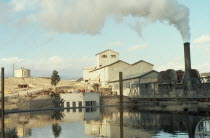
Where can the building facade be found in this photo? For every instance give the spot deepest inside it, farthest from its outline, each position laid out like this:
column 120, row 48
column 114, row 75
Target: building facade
column 81, row 99
column 108, row 67
column 106, row 57
column 22, row 73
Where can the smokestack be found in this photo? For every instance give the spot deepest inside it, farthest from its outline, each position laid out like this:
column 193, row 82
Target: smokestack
column 187, row 76
column 187, row 56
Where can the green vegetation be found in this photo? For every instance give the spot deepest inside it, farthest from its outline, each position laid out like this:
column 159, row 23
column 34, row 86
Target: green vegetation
column 55, row 78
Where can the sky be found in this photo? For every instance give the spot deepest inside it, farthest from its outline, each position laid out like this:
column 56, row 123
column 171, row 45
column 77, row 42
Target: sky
column 66, row 35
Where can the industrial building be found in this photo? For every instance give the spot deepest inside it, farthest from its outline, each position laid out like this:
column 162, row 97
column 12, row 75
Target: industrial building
column 108, row 67
column 22, row 73
column 130, row 82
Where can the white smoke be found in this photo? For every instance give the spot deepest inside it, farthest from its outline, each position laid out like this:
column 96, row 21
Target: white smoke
column 88, row 16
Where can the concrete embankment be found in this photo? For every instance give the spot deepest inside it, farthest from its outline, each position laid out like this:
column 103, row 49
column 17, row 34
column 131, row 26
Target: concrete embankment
column 174, row 106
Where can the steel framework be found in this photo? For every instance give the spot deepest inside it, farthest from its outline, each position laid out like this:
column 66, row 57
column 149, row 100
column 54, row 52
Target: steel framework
column 172, row 89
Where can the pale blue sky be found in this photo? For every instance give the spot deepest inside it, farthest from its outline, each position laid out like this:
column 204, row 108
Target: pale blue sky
column 30, row 45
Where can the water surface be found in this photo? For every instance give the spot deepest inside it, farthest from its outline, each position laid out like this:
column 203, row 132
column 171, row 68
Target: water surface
column 106, row 122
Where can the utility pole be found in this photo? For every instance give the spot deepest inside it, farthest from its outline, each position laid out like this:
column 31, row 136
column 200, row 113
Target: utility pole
column 121, row 104
column 13, row 69
column 2, row 101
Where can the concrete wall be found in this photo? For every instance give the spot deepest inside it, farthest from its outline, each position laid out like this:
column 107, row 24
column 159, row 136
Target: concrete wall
column 86, row 73
column 100, row 75
column 141, row 67
column 92, row 96
column 103, row 61
column 113, row 71
column 72, row 97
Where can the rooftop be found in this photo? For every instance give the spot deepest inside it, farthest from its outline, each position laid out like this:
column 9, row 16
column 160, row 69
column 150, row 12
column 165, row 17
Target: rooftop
column 123, row 62
column 106, row 51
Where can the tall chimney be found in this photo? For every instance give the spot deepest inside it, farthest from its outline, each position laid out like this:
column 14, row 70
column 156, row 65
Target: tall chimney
column 187, row 76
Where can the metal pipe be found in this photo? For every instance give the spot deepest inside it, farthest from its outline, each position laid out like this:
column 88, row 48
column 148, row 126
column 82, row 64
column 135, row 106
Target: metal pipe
column 187, row 56
column 2, row 101
column 121, row 87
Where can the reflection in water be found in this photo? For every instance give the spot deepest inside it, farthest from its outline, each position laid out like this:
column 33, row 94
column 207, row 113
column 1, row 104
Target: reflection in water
column 56, row 130
column 10, row 133
column 105, row 122
column 57, row 115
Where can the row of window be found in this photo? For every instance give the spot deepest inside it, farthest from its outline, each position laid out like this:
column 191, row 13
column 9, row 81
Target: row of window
column 80, row 110
column 87, row 103
column 105, row 56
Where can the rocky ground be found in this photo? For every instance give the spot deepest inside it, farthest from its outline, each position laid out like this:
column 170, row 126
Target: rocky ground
column 11, row 84
column 15, row 95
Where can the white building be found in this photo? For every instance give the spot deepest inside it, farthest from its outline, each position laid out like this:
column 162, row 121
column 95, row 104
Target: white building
column 81, row 99
column 22, row 73
column 108, row 67
column 106, row 57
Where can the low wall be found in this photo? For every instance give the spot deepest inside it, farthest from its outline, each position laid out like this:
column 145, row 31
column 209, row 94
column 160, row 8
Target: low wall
column 112, row 100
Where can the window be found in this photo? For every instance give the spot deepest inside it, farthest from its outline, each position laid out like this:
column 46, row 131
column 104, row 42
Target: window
column 93, row 103
column 80, row 103
column 74, row 105
column 68, row 105
column 86, row 80
column 113, row 56
column 87, row 103
column 104, row 56
column 90, row 103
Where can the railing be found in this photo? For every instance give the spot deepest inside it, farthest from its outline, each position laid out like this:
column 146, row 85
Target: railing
column 199, row 88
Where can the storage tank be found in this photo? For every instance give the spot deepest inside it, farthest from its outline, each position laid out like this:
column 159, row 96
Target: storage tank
column 22, row 72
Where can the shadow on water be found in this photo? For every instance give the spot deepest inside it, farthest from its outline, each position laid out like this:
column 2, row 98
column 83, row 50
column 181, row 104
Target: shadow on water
column 10, row 133
column 172, row 123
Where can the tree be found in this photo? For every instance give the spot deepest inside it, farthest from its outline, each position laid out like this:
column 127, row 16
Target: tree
column 55, row 78
column 57, row 100
column 95, row 86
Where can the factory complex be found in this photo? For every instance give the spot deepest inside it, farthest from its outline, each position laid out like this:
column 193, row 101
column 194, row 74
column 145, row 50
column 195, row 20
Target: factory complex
column 108, row 67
